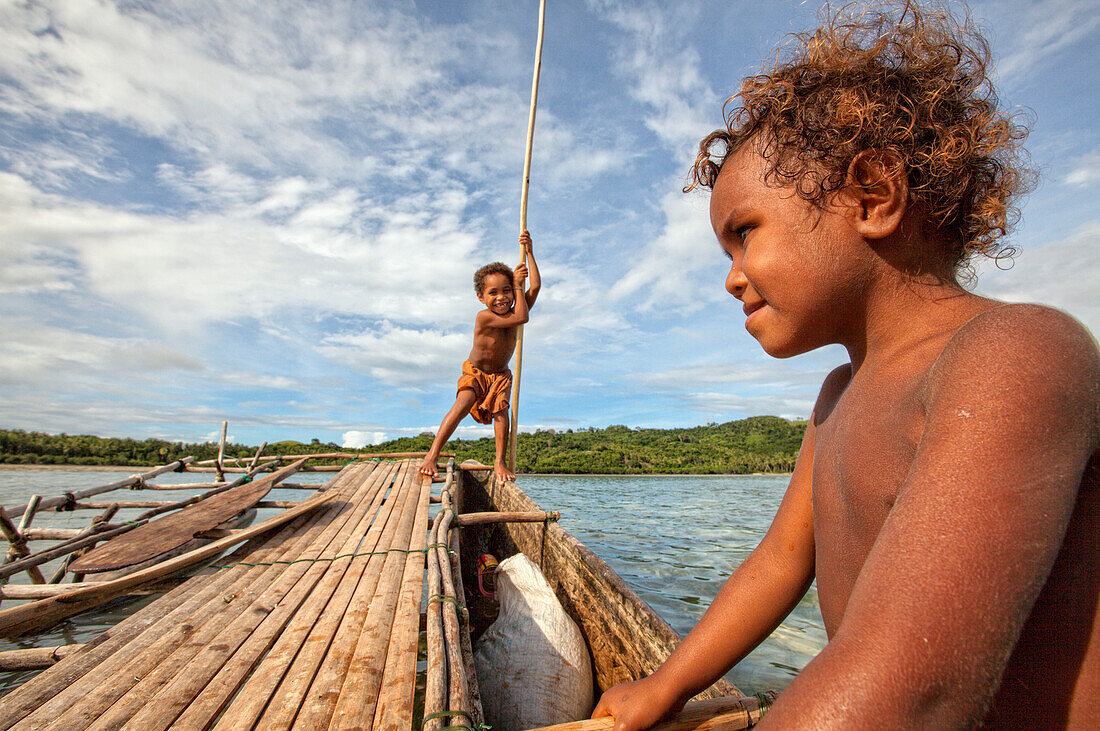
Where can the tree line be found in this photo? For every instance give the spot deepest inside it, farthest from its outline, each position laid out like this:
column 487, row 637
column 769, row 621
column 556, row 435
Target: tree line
column 756, row 444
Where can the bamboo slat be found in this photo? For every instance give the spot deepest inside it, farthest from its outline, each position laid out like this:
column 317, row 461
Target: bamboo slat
column 163, row 693
column 114, row 671
column 394, row 710
column 292, row 664
column 346, row 686
column 17, row 620
column 66, row 684
column 273, row 646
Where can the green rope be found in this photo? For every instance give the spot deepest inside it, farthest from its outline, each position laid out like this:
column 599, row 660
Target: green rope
column 445, row 714
column 318, row 560
column 449, row 599
column 764, row 701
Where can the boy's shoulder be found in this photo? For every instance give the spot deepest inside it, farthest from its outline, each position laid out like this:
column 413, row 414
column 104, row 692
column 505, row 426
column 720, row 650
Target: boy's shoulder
column 1018, row 334
column 1033, row 354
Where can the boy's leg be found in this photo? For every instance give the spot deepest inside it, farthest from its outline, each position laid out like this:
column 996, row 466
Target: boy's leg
column 500, row 424
column 463, row 402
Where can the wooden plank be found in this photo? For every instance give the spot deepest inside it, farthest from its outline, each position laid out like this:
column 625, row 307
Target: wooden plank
column 395, row 700
column 292, row 663
column 164, row 534
column 337, row 672
column 71, row 682
column 275, row 637
column 51, row 692
column 728, row 713
column 16, row 620
column 164, row 690
column 358, row 695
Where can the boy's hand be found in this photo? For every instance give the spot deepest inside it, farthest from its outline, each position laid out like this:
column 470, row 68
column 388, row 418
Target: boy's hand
column 519, row 274
column 637, row 705
column 525, row 241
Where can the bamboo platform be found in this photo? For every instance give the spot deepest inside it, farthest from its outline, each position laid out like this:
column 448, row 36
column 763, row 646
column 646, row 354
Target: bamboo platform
column 311, row 625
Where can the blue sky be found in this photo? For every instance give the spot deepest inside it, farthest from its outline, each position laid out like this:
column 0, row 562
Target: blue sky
column 270, row 212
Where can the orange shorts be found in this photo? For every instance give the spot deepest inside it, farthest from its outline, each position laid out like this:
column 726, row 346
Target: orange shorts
column 492, row 391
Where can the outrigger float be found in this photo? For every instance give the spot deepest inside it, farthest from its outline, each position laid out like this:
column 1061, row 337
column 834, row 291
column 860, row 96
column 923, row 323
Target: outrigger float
column 314, row 618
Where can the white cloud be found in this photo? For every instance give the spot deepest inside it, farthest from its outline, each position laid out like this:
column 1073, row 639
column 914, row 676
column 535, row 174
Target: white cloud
column 359, row 439
column 1086, row 171
column 1043, row 31
column 1063, row 274
column 667, row 269
column 396, row 355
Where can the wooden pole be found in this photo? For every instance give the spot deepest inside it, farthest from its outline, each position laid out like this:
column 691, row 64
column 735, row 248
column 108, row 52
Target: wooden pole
column 727, row 713
column 522, row 228
column 221, row 452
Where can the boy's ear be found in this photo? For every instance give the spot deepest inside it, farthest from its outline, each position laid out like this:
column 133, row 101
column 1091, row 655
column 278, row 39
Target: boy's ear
column 879, row 192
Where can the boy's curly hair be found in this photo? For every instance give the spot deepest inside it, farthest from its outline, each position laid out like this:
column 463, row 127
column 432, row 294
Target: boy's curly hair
column 907, row 82
column 495, row 268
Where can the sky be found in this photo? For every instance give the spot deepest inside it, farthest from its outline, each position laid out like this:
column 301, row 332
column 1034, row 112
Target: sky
column 270, row 212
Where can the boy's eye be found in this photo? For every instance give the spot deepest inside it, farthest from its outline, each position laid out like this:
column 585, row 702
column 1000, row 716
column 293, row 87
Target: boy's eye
column 742, row 232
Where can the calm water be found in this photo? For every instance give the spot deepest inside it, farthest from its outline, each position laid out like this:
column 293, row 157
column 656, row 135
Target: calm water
column 673, row 539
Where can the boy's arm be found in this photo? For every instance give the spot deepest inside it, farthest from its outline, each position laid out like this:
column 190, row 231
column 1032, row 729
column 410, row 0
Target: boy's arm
column 1011, row 421
column 535, row 284
column 759, row 594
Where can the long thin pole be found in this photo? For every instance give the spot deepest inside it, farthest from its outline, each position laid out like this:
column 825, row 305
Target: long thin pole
column 522, row 228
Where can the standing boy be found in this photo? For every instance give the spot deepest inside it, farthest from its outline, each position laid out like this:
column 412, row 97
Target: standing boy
column 485, row 387
column 946, row 496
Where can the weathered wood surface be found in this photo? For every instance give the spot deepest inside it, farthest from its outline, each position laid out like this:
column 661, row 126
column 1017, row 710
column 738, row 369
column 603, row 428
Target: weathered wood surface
column 313, row 627
column 163, row 535
column 627, row 639
column 728, row 713
column 16, row 620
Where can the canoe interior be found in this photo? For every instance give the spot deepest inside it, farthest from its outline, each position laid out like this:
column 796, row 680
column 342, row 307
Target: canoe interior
column 626, row 638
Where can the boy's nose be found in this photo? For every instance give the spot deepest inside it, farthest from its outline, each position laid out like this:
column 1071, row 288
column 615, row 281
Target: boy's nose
column 736, row 282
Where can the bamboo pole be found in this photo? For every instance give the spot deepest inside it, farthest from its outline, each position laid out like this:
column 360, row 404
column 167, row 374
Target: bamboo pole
column 18, row 620
column 729, row 713
column 182, row 633
column 221, row 452
column 473, row 692
column 17, row 552
column 72, row 497
column 35, row 658
column 99, row 520
column 102, row 533
column 469, row 519
column 435, row 693
column 523, row 227
column 256, row 459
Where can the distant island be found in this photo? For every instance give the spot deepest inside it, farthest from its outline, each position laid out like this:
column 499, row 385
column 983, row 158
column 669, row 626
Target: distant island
column 756, row 444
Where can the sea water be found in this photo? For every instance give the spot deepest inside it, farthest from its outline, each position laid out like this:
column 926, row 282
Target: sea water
column 674, row 540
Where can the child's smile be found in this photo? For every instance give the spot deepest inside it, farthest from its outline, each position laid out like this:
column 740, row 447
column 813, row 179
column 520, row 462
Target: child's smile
column 793, row 267
column 499, row 295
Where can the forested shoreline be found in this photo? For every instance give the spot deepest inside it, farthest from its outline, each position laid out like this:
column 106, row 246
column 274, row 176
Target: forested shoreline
column 756, row 444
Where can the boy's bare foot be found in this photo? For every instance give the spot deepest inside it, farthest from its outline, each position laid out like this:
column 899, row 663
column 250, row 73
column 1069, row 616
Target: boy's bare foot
column 427, row 467
column 503, row 473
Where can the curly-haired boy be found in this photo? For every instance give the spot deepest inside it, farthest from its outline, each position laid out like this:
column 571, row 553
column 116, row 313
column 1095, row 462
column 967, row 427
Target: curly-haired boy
column 485, row 387
column 947, row 494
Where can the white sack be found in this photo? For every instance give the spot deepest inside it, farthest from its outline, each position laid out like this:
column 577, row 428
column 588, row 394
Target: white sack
column 532, row 664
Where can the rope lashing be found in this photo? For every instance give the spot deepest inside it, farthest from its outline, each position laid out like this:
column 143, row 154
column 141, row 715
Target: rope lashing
column 332, row 558
column 68, row 505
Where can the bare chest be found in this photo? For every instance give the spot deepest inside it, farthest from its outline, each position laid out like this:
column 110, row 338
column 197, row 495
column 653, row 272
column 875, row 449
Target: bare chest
column 862, row 454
